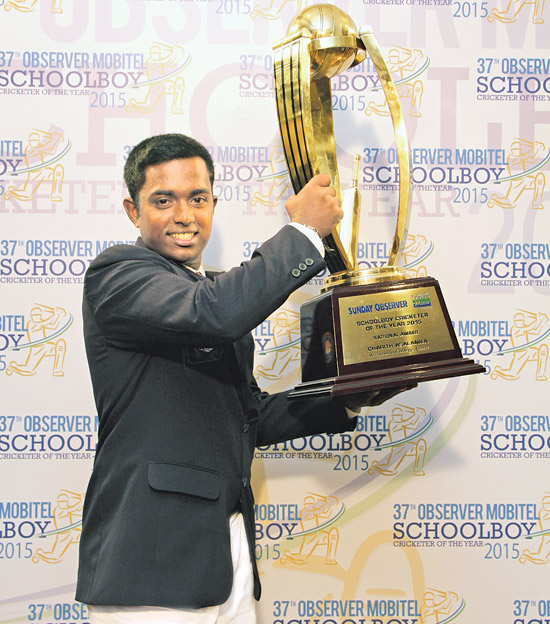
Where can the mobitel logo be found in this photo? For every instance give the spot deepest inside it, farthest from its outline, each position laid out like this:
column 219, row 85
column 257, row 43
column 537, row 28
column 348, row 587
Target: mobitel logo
column 27, row 6
column 407, row 426
column 44, row 342
column 163, row 66
column 529, row 334
column 56, row 525
column 406, row 65
column 518, row 10
column 417, row 249
column 43, row 152
column 525, row 160
column 540, row 556
column 278, row 337
column 67, row 521
column 317, row 535
column 441, row 606
column 422, row 300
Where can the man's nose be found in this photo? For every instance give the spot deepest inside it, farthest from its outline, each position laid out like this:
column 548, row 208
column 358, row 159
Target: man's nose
column 183, row 213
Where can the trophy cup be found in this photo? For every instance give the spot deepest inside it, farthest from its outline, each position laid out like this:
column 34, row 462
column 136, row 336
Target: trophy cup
column 369, row 328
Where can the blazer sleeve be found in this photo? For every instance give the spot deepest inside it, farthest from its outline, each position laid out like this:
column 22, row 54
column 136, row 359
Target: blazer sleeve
column 280, row 418
column 283, row 419
column 138, row 297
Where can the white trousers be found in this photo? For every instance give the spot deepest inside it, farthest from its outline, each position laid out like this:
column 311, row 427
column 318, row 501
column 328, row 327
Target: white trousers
column 240, row 607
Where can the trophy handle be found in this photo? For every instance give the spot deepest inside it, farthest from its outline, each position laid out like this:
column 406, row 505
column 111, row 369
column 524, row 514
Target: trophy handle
column 402, row 143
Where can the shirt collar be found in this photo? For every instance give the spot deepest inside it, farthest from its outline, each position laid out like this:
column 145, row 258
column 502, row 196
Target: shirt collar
column 200, row 270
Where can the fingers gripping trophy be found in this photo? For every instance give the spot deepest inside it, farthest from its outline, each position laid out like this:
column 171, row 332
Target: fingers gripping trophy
column 369, row 328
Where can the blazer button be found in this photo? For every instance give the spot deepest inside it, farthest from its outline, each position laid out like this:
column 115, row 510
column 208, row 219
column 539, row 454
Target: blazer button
column 246, row 427
column 244, row 482
column 309, row 261
column 302, row 266
column 296, row 273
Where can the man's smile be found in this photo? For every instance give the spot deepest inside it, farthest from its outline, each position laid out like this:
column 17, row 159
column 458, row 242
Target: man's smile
column 183, row 236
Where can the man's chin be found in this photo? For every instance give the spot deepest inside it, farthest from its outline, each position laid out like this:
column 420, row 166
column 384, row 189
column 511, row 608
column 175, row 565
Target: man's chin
column 182, row 257
column 187, row 255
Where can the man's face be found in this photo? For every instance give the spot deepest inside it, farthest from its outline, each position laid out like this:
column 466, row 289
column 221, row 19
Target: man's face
column 176, row 207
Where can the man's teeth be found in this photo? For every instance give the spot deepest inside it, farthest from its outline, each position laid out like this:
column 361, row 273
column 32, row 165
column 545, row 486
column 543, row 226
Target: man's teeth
column 183, row 235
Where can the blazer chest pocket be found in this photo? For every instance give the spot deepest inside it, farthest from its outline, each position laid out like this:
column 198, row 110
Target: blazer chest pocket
column 202, row 355
column 185, row 479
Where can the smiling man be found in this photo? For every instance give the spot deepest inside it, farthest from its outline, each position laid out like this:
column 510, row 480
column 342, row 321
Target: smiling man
column 174, row 209
column 168, row 524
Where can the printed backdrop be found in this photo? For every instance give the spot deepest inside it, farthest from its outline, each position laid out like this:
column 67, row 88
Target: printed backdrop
column 437, row 509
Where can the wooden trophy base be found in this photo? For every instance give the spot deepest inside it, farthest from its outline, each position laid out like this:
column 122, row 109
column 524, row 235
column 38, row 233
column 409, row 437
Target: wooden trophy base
column 382, row 335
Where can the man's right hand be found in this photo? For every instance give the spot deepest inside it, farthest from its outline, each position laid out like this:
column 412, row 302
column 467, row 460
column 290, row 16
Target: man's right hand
column 316, row 205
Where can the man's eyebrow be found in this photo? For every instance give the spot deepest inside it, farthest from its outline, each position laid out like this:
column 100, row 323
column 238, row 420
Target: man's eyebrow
column 197, row 191
column 162, row 192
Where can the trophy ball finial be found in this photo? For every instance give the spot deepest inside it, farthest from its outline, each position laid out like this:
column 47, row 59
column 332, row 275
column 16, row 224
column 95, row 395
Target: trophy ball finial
column 335, row 43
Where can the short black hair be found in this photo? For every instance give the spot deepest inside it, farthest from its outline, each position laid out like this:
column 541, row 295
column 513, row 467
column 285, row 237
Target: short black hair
column 158, row 149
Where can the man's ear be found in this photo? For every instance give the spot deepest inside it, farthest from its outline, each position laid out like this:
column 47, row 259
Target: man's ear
column 131, row 211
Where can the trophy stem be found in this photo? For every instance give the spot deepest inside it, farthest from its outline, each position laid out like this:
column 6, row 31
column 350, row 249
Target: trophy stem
column 362, row 277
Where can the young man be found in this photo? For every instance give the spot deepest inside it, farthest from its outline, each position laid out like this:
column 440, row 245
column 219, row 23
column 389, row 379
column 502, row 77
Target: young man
column 168, row 529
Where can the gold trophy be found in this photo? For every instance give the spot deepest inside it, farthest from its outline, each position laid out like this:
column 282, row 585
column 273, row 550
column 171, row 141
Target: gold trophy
column 369, row 328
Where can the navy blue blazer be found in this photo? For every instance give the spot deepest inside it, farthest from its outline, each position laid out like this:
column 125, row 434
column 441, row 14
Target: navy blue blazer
column 170, row 358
